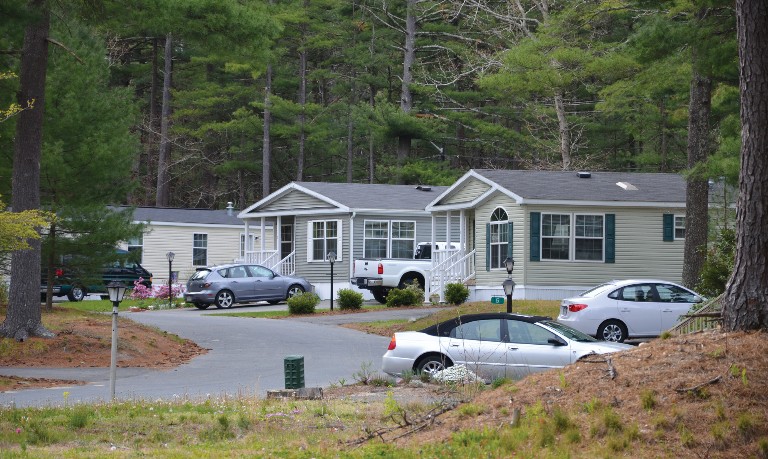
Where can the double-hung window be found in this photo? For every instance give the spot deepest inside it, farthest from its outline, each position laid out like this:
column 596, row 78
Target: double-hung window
column 136, row 245
column 199, row 249
column 385, row 239
column 572, row 237
column 679, row 226
column 324, row 237
column 498, row 238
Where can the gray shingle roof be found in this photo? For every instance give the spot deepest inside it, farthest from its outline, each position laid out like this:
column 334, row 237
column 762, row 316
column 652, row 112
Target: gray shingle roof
column 375, row 196
column 176, row 215
column 600, row 186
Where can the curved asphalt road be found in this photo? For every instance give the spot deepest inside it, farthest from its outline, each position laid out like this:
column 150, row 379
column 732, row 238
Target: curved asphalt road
column 246, row 357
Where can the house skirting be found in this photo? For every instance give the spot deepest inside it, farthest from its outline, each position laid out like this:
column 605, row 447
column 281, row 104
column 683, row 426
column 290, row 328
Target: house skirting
column 525, row 292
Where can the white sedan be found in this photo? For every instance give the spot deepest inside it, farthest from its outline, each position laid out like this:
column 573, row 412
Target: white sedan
column 635, row 308
column 492, row 345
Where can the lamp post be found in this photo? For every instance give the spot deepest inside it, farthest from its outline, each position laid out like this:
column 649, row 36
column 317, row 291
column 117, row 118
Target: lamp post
column 332, row 260
column 170, row 256
column 509, row 284
column 116, row 293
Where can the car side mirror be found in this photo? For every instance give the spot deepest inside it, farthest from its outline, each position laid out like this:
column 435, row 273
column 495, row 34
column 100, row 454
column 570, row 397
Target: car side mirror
column 556, row 342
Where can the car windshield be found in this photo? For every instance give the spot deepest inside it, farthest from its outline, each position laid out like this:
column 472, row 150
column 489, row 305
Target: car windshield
column 567, row 331
column 200, row 274
column 594, row 291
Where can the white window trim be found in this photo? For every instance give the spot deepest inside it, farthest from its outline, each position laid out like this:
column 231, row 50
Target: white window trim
column 244, row 246
column 675, row 227
column 392, row 238
column 571, row 238
column 140, row 245
column 503, row 225
column 195, row 247
column 339, row 239
column 390, row 235
column 388, row 238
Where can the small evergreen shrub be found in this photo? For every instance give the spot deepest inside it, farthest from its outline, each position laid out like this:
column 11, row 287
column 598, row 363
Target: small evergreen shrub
column 718, row 265
column 350, row 299
column 405, row 297
column 456, row 293
column 303, row 303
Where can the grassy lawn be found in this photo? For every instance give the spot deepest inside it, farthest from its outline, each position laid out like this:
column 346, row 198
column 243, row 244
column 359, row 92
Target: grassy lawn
column 387, row 327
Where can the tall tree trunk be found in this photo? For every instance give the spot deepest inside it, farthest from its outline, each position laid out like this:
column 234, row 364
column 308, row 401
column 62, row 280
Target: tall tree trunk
column 266, row 147
column 163, row 194
column 24, row 317
column 745, row 302
column 302, row 98
column 406, row 96
column 564, row 131
column 697, row 187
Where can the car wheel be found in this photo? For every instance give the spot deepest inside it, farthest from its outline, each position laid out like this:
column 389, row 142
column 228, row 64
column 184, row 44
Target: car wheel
column 380, row 296
column 77, row 293
column 408, row 280
column 294, row 290
column 224, row 299
column 201, row 305
column 431, row 364
column 612, row 330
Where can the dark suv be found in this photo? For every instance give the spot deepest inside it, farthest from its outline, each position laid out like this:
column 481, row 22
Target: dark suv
column 72, row 286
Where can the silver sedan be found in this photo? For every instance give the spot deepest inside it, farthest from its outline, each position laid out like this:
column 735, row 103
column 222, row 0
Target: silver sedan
column 491, row 345
column 226, row 285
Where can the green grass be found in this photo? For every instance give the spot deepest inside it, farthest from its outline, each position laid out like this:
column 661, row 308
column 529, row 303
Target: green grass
column 532, row 307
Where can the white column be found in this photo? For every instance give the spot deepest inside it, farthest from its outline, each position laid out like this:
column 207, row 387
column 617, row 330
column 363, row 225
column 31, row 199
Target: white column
column 247, row 243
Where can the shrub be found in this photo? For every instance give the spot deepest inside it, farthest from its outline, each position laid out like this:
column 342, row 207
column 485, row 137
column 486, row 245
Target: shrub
column 718, row 265
column 350, row 299
column 404, row 297
column 456, row 293
column 303, row 303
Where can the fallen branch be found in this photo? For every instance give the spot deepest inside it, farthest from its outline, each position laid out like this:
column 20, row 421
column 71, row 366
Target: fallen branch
column 418, row 425
column 612, row 373
column 696, row 388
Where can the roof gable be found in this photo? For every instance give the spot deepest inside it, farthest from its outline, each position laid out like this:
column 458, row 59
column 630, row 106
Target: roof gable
column 345, row 197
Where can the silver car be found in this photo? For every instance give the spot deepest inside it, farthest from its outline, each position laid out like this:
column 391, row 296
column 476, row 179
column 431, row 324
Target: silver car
column 633, row 308
column 491, row 345
column 226, row 285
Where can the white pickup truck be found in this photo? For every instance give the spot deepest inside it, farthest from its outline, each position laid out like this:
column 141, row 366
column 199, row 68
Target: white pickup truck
column 380, row 275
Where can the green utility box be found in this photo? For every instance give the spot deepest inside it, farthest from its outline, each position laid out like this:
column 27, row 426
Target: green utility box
column 294, row 371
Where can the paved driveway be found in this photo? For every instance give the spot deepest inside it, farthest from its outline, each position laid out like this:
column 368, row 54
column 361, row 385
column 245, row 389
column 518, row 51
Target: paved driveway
column 246, row 357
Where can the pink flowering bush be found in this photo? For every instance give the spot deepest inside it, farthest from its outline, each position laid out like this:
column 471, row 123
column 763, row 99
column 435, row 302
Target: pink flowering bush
column 143, row 294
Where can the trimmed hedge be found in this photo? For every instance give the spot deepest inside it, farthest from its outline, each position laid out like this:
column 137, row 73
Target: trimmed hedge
column 456, row 293
column 303, row 303
column 350, row 299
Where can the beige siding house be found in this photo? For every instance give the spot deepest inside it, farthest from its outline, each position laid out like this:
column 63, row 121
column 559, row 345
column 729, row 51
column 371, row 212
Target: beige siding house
column 197, row 237
column 566, row 231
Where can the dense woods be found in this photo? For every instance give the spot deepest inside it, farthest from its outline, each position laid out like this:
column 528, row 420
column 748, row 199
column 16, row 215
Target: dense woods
column 194, row 103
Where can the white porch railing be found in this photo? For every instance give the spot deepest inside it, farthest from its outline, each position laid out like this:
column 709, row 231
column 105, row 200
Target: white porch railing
column 450, row 266
column 269, row 258
column 265, row 258
column 286, row 266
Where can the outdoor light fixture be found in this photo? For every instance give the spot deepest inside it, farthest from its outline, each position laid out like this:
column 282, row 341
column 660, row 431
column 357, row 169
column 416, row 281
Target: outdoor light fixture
column 509, row 289
column 509, row 284
column 116, row 293
column 332, row 260
column 170, row 256
column 509, row 263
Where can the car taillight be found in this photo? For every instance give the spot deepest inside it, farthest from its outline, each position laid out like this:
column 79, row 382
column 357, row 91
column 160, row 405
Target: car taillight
column 392, row 344
column 59, row 272
column 576, row 307
column 206, row 284
column 381, row 269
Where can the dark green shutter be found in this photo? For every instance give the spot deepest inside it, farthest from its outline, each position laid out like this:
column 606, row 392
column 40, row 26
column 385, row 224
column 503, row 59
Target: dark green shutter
column 509, row 240
column 487, row 246
column 610, row 238
column 535, row 236
column 669, row 227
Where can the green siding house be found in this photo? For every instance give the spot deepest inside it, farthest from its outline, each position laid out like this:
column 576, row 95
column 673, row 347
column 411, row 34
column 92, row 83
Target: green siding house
column 565, row 231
